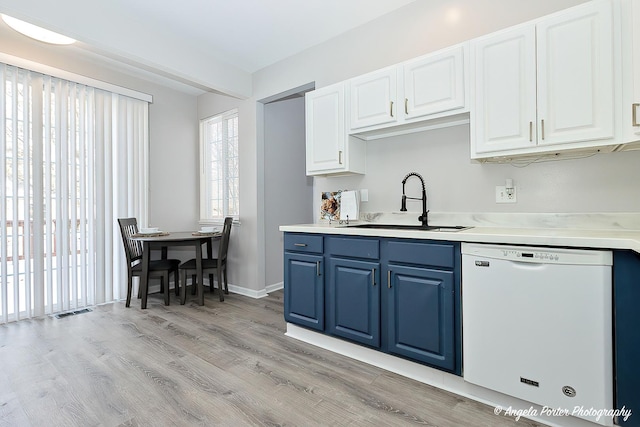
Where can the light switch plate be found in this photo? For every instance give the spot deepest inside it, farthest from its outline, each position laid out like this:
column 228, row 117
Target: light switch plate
column 364, row 195
column 503, row 197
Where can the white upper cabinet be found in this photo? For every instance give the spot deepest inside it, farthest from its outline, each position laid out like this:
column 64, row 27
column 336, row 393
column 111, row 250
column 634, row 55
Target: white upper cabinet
column 328, row 148
column 434, row 83
column 373, row 98
column 575, row 75
column 504, row 108
column 427, row 87
column 546, row 86
column 631, row 56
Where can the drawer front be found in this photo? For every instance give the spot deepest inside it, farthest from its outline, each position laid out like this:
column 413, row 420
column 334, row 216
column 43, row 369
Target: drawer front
column 432, row 254
column 309, row 243
column 354, row 247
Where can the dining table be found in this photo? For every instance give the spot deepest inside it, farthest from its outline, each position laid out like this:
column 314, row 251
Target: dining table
column 162, row 241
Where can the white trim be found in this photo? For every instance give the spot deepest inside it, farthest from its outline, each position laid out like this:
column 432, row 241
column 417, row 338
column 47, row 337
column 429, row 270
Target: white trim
column 274, row 287
column 76, row 78
column 426, row 375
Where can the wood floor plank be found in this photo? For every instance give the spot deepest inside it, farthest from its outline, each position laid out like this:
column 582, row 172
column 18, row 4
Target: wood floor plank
column 225, row 363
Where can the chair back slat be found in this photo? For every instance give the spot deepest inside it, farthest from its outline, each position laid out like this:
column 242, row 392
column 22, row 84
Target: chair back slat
column 132, row 248
column 224, row 240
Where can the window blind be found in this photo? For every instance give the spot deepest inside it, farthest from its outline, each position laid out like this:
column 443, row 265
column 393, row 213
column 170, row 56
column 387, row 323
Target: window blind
column 73, row 159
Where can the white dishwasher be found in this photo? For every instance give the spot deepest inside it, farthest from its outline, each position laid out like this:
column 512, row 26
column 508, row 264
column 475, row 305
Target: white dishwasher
column 537, row 325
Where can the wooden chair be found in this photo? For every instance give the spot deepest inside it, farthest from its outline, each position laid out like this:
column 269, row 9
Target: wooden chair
column 218, row 264
column 158, row 269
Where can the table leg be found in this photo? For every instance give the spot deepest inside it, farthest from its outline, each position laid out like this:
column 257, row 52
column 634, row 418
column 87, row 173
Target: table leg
column 144, row 279
column 200, row 288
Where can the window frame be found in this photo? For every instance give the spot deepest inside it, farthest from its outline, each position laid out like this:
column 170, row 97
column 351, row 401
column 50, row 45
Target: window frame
column 206, row 216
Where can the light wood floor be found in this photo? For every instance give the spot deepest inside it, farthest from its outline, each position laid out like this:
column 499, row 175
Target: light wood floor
column 222, row 364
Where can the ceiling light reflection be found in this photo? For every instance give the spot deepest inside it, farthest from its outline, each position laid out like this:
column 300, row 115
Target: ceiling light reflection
column 36, row 32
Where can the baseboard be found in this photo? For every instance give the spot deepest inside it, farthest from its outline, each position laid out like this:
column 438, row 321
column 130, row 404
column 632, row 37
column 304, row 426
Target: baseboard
column 252, row 293
column 274, row 287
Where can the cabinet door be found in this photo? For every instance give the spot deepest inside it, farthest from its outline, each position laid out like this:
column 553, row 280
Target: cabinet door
column 504, row 112
column 635, row 106
column 435, row 83
column 421, row 315
column 626, row 291
column 325, row 129
column 304, row 290
column 575, row 75
column 353, row 300
column 372, row 98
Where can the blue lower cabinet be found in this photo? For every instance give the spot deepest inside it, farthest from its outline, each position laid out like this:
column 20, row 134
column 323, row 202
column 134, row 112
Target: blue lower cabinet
column 353, row 300
column 304, row 290
column 626, row 292
column 421, row 315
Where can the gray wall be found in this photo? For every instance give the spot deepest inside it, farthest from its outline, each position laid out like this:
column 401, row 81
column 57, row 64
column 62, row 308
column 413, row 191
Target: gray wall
column 288, row 192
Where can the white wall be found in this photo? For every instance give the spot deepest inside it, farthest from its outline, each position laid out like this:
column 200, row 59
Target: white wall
column 288, row 192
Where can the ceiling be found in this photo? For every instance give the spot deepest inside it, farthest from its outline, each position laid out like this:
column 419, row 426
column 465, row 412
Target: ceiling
column 213, row 45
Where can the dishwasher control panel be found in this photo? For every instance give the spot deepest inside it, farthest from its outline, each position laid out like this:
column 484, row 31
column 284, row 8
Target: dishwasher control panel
column 539, row 255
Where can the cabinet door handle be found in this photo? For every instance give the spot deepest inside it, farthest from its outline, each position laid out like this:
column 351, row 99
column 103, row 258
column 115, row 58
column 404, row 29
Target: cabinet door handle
column 542, row 129
column 389, row 279
column 634, row 114
column 340, row 157
column 373, row 277
column 302, row 245
column 318, row 268
column 391, row 108
column 530, row 131
column 406, row 106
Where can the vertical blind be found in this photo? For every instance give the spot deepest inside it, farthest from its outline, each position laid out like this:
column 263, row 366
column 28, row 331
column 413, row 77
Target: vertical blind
column 72, row 160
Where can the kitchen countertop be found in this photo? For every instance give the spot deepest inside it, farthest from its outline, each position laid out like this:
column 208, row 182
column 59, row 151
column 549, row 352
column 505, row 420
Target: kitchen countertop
column 569, row 237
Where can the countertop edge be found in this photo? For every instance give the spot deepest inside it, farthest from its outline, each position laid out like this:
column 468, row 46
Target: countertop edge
column 581, row 238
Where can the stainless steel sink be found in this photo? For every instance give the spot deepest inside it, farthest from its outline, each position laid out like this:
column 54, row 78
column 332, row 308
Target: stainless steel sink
column 417, row 227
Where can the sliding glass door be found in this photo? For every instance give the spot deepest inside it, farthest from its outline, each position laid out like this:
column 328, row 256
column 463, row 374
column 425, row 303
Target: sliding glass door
column 72, row 159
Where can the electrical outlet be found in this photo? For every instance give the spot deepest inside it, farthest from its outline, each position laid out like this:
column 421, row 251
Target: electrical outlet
column 502, row 196
column 364, row 195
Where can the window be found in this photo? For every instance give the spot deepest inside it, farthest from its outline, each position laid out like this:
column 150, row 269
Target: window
column 219, row 180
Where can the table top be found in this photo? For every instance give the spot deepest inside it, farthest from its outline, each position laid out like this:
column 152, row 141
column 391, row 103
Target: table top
column 175, row 236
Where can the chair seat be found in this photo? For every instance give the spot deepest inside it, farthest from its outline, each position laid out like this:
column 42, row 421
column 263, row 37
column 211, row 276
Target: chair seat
column 160, row 264
column 206, row 264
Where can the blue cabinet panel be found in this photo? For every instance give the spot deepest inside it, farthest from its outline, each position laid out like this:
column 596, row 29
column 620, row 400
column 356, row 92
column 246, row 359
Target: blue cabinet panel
column 421, row 315
column 353, row 247
column 626, row 294
column 353, row 306
column 304, row 290
column 421, row 253
column 299, row 242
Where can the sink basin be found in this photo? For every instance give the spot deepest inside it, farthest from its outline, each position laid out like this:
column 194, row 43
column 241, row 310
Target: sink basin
column 412, row 227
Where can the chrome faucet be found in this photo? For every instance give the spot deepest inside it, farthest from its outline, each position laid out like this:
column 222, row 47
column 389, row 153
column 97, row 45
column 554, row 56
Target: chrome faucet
column 422, row 218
